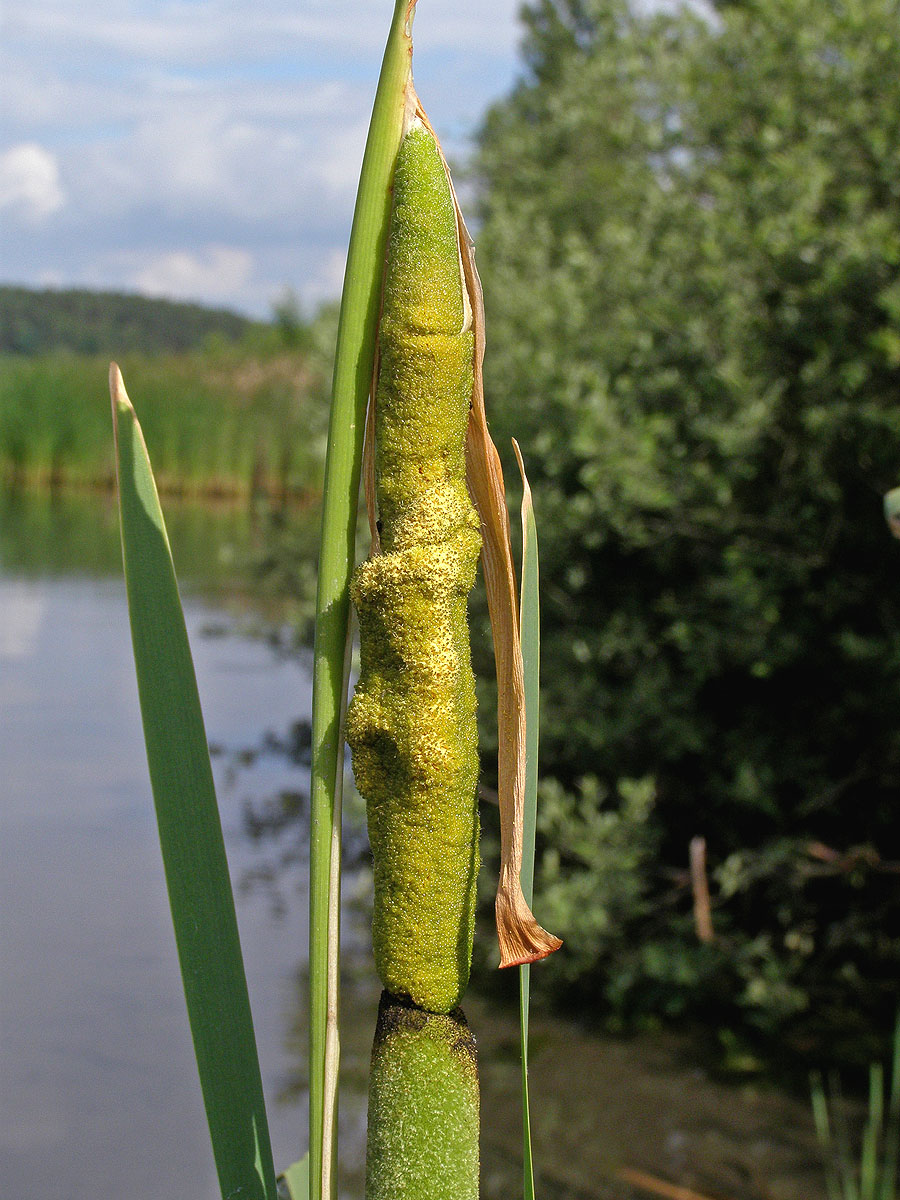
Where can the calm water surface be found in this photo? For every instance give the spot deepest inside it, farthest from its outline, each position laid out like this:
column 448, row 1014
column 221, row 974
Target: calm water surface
column 99, row 1086
column 99, row 1094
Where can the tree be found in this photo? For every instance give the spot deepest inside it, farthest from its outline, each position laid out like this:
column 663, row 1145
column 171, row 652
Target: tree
column 690, row 246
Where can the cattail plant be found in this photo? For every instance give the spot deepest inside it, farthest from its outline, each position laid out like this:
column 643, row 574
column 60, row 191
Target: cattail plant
column 411, row 725
column 408, row 373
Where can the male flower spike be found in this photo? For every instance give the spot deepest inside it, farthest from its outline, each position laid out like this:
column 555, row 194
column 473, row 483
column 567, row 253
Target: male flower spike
column 411, row 724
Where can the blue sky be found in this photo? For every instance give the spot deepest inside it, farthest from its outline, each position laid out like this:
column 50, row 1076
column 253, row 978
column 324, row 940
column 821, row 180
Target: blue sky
column 209, row 149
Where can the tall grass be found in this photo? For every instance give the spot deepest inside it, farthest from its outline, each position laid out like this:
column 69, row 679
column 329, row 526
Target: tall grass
column 870, row 1174
column 224, row 423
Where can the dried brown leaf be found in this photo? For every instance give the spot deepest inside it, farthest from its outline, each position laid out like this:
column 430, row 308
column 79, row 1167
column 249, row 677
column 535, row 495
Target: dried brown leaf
column 521, row 938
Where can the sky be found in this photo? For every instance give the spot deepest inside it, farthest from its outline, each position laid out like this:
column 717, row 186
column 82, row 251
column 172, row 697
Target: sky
column 209, row 149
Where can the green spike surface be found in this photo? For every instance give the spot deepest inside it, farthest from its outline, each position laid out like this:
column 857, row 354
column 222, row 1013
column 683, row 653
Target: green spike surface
column 423, row 1106
column 411, row 724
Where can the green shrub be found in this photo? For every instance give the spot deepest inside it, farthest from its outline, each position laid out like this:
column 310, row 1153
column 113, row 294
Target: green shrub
column 690, row 246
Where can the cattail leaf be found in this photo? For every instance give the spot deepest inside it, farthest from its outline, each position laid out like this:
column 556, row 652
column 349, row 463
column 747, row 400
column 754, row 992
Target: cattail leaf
column 822, row 1124
column 872, row 1134
column 190, row 831
column 530, row 628
column 530, row 632
column 520, row 937
column 892, row 1129
column 353, row 371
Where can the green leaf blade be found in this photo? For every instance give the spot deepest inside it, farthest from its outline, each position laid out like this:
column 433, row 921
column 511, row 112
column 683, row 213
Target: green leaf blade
column 530, row 632
column 190, row 831
column 354, row 359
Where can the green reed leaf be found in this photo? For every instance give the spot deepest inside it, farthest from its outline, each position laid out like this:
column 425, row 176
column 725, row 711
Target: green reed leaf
column 872, row 1134
column 354, row 357
column 823, row 1134
column 892, row 1129
column 190, row 831
column 530, row 627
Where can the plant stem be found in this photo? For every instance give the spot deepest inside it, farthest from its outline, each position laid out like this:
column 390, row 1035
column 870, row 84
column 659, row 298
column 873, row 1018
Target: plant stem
column 352, row 378
column 530, row 627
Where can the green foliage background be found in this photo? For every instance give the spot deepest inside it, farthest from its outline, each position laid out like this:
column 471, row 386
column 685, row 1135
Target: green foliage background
column 690, row 245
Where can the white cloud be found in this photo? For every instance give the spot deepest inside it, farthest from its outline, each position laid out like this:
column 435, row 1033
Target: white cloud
column 326, row 283
column 212, row 31
column 217, row 274
column 29, row 182
column 208, row 160
column 179, row 125
column 337, row 165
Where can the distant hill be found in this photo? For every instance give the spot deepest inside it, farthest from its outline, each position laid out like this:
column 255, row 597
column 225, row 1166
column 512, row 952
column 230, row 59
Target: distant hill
column 113, row 323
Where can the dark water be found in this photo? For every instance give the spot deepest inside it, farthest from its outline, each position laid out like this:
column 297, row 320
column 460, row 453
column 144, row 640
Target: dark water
column 99, row 1095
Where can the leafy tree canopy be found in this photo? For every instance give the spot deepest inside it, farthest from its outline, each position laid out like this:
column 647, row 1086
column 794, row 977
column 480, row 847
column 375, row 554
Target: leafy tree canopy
column 690, row 246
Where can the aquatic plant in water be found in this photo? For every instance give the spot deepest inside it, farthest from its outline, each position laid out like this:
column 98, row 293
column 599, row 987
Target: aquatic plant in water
column 411, row 725
column 416, row 328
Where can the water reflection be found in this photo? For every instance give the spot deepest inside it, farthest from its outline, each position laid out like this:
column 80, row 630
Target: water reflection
column 99, row 1086
column 99, row 1082
column 23, row 611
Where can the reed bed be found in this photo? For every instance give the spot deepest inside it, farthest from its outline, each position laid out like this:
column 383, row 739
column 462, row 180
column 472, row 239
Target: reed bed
column 230, row 423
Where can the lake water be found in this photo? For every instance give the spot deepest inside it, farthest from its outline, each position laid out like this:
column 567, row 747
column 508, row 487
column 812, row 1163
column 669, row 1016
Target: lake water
column 99, row 1087
column 99, row 1095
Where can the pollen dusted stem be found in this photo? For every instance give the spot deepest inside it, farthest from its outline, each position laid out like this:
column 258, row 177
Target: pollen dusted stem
column 411, row 725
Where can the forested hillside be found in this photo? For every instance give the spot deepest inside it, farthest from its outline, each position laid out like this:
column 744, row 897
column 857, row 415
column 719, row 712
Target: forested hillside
column 108, row 323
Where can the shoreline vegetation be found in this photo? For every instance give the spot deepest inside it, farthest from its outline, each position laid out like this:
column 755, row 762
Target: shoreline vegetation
column 233, row 409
